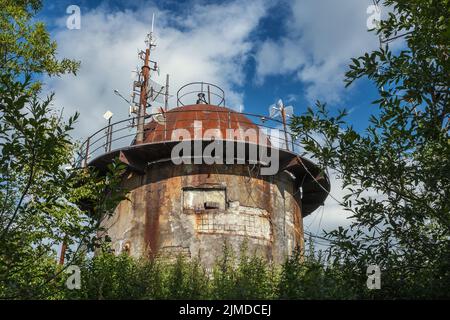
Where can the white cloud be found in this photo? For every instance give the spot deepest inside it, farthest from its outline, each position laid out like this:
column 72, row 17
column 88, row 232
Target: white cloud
column 328, row 217
column 209, row 43
column 333, row 214
column 321, row 38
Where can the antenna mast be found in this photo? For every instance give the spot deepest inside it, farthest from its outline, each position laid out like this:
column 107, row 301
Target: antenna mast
column 145, row 91
column 166, row 100
column 143, row 83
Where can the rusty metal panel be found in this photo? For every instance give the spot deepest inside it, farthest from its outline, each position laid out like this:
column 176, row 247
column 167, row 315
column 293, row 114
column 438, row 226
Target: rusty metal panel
column 212, row 117
column 161, row 219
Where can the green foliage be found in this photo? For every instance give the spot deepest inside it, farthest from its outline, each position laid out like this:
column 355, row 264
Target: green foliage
column 45, row 199
column 109, row 277
column 25, row 45
column 248, row 277
column 302, row 276
column 307, row 276
column 396, row 173
column 41, row 191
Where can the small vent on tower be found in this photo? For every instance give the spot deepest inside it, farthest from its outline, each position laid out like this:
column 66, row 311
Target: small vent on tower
column 212, row 205
column 200, row 199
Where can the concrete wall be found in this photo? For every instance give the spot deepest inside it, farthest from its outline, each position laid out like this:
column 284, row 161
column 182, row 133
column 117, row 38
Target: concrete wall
column 193, row 209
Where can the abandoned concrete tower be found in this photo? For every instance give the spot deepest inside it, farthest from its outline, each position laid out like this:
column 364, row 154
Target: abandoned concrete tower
column 217, row 185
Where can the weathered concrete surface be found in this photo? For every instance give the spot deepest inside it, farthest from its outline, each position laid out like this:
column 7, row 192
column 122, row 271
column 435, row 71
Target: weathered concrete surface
column 193, row 209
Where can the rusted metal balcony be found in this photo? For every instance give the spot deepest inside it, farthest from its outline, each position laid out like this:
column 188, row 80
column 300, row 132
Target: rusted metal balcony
column 117, row 140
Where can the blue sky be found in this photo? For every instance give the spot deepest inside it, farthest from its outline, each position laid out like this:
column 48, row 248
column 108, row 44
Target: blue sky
column 258, row 51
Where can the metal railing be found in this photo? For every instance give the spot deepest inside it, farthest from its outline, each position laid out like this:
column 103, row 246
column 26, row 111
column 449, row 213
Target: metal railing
column 203, row 92
column 122, row 134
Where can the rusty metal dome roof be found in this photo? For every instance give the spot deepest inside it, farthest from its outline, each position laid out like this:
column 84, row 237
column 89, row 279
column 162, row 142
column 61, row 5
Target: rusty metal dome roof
column 210, row 117
column 158, row 143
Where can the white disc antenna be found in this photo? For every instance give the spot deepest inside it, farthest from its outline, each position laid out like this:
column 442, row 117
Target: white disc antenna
column 275, row 110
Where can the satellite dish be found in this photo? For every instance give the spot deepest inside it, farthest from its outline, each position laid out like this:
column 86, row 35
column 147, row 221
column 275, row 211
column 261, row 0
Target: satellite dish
column 159, row 118
column 108, row 115
column 133, row 109
column 273, row 111
column 156, row 92
column 280, row 103
column 276, row 109
column 289, row 111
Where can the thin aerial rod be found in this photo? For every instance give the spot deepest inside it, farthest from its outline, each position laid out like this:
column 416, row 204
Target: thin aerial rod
column 283, row 117
column 166, row 101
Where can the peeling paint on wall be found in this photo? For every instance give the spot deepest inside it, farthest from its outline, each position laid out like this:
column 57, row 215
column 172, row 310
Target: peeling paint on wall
column 192, row 210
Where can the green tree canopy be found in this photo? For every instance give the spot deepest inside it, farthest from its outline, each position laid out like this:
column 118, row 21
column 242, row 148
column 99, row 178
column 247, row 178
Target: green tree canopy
column 41, row 189
column 396, row 173
column 25, row 44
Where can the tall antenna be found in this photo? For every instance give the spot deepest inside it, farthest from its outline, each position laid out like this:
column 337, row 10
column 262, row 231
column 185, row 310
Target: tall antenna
column 280, row 110
column 142, row 86
column 153, row 20
column 145, row 91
